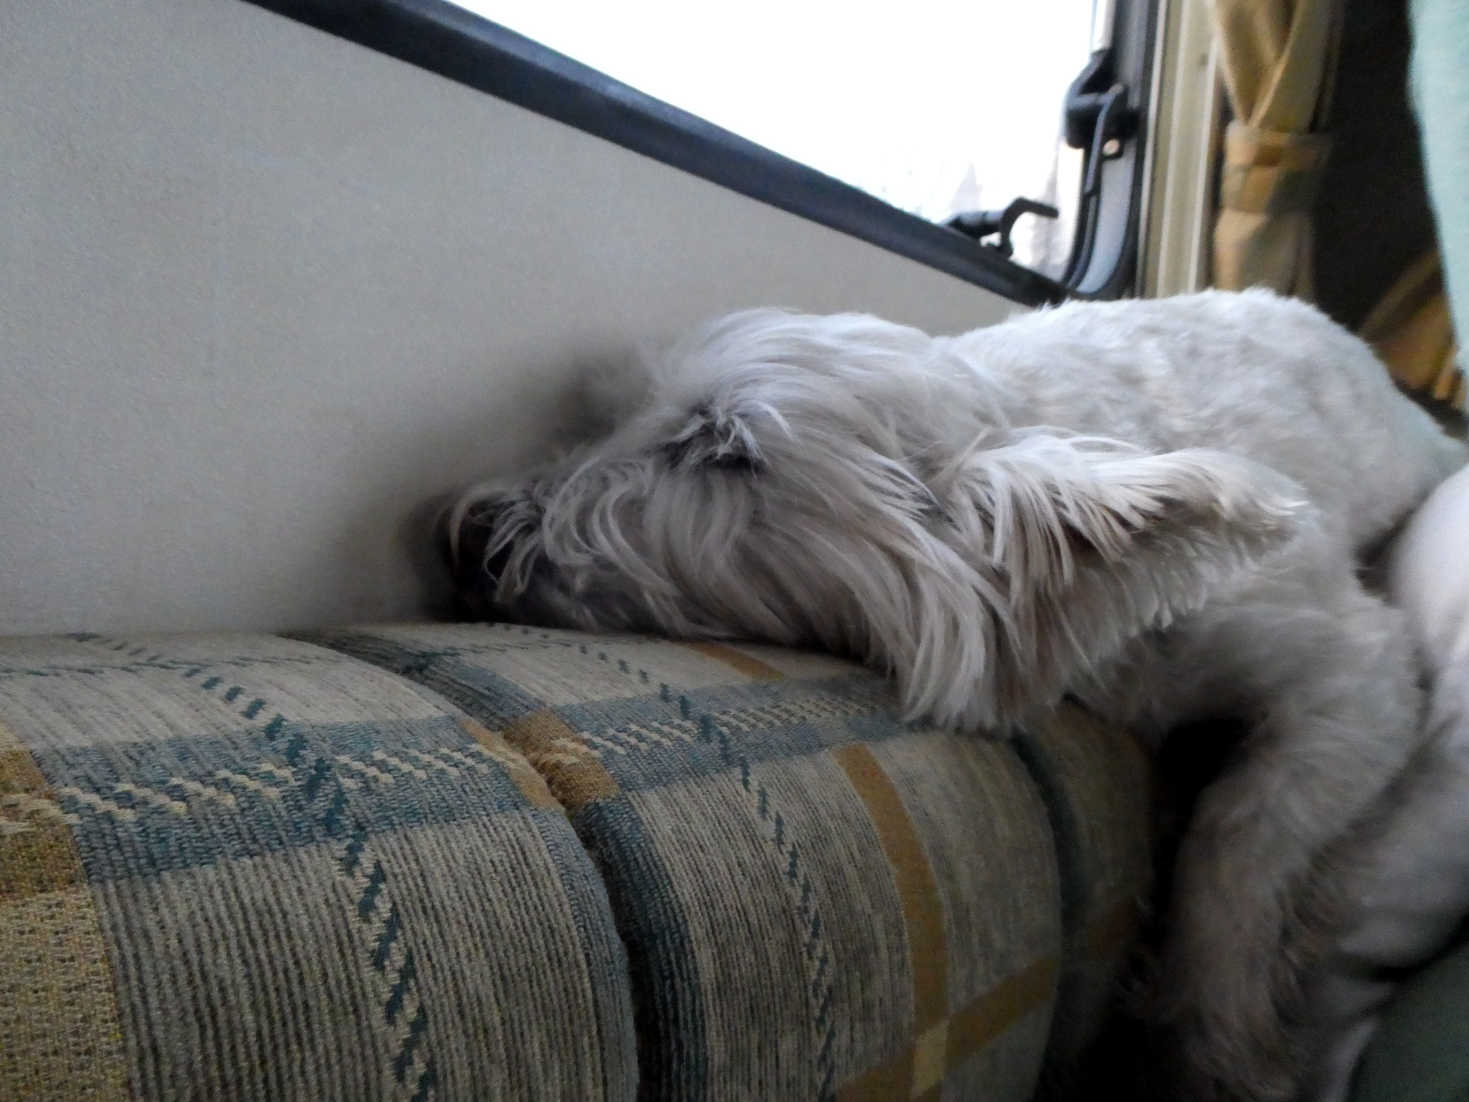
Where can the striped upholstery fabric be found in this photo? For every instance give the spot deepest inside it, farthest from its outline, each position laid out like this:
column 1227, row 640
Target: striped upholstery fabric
column 247, row 867
column 817, row 900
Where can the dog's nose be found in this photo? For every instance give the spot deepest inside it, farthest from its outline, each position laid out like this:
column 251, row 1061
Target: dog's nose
column 464, row 534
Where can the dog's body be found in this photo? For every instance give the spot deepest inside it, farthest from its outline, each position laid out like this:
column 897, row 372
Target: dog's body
column 1406, row 867
column 1155, row 506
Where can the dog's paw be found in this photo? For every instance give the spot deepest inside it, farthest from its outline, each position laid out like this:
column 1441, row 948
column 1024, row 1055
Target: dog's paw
column 1216, row 1057
column 1227, row 998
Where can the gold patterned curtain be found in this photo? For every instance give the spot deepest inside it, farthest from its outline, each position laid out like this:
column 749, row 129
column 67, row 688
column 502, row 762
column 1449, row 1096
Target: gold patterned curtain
column 1412, row 331
column 1277, row 57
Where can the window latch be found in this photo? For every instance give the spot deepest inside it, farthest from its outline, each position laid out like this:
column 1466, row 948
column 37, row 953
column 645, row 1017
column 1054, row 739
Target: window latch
column 1098, row 116
column 980, row 224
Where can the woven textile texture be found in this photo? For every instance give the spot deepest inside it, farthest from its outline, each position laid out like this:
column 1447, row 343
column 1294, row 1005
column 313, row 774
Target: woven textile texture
column 247, row 867
column 818, row 901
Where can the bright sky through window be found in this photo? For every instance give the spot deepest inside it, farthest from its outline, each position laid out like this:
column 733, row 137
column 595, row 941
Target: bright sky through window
column 932, row 106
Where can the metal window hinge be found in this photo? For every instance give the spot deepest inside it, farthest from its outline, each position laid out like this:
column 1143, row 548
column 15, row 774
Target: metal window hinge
column 1098, row 116
column 980, row 224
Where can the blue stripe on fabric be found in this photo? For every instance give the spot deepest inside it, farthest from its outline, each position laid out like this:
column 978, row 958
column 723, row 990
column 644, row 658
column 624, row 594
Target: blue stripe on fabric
column 1071, row 872
column 462, row 674
column 184, row 667
column 134, row 817
column 308, row 779
column 668, row 1001
column 627, row 733
column 852, row 693
column 649, row 738
column 604, row 953
column 449, row 671
column 490, row 698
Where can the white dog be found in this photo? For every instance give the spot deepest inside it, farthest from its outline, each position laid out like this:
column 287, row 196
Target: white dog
column 1406, row 866
column 1156, row 506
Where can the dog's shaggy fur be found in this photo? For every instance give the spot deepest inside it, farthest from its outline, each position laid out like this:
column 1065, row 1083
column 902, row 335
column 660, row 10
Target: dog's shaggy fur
column 1155, row 506
column 1406, row 866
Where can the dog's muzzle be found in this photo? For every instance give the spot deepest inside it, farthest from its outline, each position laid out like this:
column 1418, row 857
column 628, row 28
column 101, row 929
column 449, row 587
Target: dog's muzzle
column 463, row 537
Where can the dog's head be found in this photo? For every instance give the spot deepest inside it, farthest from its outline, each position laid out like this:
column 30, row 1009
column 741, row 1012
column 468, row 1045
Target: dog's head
column 844, row 483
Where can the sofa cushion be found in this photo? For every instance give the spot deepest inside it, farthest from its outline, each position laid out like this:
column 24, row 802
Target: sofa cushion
column 817, row 899
column 241, row 866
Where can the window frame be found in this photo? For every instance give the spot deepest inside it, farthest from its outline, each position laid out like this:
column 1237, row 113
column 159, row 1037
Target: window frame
column 1105, row 252
column 462, row 46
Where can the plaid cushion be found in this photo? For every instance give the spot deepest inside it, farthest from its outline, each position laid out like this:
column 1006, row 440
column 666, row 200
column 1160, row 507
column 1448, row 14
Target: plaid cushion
column 245, row 867
column 817, row 899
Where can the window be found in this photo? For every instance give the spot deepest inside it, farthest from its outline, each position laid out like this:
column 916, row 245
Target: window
column 880, row 127
column 932, row 106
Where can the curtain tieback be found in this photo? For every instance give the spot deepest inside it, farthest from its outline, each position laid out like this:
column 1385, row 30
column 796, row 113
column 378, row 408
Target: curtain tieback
column 1271, row 171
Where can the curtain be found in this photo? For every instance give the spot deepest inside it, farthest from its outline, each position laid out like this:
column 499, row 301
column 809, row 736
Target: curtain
column 1277, row 58
column 1413, row 333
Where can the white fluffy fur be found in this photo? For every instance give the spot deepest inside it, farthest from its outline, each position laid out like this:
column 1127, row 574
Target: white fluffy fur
column 1407, row 866
column 1156, row 506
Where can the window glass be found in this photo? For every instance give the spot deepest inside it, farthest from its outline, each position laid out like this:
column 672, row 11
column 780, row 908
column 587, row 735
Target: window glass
column 934, row 107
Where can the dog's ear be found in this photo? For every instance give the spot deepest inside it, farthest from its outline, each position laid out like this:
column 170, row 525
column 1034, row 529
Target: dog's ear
column 715, row 436
column 1081, row 546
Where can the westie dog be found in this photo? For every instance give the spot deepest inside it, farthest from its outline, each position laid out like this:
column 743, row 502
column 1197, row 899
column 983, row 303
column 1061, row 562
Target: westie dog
column 1154, row 506
column 1405, row 868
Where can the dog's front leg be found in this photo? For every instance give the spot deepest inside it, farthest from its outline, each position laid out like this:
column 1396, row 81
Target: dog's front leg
column 1405, row 874
column 1325, row 673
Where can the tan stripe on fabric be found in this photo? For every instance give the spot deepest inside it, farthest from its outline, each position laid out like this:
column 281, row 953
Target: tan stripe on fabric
column 918, row 1072
column 573, row 773
column 922, row 910
column 891, row 1081
column 532, row 784
column 746, row 664
column 60, row 1031
column 930, row 1054
column 18, row 773
column 37, row 852
column 36, row 859
column 998, row 1009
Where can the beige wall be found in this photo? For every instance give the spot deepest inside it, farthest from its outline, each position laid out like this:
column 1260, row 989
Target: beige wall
column 262, row 292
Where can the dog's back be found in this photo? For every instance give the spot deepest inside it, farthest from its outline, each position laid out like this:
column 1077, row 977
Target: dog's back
column 1267, row 377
